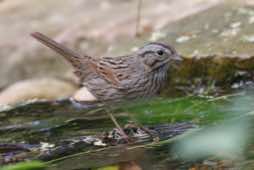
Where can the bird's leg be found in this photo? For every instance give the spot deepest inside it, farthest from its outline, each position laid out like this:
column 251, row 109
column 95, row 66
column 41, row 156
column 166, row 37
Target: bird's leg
column 126, row 138
column 87, row 106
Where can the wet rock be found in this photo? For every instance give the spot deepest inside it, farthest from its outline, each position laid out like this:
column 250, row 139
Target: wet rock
column 45, row 88
column 218, row 48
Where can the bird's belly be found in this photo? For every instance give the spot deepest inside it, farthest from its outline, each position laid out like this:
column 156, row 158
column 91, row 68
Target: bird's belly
column 104, row 91
column 101, row 90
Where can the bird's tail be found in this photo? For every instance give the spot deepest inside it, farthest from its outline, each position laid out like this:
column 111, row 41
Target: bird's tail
column 69, row 54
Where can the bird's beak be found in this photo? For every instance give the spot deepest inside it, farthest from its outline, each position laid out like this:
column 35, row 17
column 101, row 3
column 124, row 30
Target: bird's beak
column 177, row 59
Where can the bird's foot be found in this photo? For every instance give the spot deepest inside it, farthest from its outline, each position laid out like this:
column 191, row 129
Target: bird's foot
column 130, row 134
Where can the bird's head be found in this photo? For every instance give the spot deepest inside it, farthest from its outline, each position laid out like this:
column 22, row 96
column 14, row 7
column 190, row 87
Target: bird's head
column 156, row 55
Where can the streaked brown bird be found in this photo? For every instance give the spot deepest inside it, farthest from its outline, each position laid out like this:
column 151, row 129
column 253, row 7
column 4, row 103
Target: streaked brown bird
column 113, row 79
column 108, row 79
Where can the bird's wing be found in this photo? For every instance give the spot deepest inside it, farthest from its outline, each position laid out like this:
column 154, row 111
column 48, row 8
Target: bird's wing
column 83, row 65
column 110, row 69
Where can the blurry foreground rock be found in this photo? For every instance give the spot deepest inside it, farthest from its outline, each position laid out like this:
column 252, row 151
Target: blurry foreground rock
column 44, row 88
column 130, row 166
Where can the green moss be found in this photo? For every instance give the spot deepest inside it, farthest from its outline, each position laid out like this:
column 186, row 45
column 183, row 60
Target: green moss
column 33, row 165
column 221, row 71
column 195, row 109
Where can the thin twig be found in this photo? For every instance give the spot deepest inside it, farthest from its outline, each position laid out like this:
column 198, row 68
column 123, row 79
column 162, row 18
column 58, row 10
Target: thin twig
column 224, row 97
column 138, row 19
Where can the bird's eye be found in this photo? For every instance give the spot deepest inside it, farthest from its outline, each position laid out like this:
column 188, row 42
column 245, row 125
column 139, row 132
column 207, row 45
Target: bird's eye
column 160, row 52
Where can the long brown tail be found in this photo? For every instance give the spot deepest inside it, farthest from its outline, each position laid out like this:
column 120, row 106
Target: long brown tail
column 69, row 54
